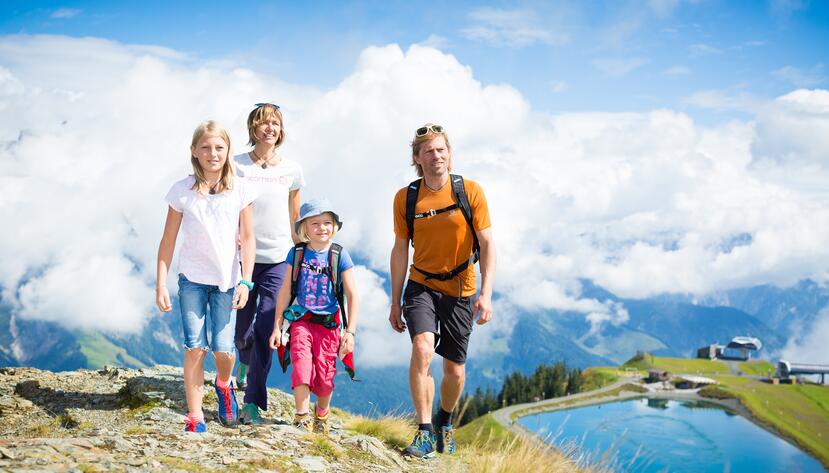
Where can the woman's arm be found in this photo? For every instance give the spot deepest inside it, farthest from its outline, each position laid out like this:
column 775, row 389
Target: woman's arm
column 293, row 212
column 247, row 244
column 165, row 257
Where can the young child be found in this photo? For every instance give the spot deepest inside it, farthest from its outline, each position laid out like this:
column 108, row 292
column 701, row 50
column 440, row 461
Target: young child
column 277, row 181
column 317, row 337
column 213, row 210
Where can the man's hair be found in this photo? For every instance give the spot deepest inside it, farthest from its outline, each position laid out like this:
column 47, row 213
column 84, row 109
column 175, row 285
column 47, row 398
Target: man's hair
column 260, row 115
column 418, row 141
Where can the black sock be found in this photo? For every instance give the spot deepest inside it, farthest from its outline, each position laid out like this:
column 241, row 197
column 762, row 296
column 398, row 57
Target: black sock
column 443, row 418
column 427, row 427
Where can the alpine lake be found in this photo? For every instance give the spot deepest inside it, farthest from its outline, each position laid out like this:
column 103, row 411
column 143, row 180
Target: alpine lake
column 660, row 435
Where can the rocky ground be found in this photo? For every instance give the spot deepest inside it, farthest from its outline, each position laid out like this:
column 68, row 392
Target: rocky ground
column 118, row 419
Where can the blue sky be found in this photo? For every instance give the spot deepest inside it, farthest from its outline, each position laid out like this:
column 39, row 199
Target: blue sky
column 562, row 56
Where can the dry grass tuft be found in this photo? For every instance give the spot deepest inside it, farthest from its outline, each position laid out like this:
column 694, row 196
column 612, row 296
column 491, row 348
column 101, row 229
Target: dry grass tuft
column 394, row 431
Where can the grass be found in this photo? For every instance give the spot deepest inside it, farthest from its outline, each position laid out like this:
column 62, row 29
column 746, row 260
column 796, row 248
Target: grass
column 136, row 430
column 179, row 464
column 99, row 352
column 395, row 432
column 322, row 447
column 484, row 445
column 599, row 377
column 798, row 411
column 677, row 365
column 757, row 368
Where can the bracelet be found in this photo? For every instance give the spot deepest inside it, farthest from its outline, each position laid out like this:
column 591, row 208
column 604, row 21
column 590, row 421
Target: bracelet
column 246, row 283
column 352, row 333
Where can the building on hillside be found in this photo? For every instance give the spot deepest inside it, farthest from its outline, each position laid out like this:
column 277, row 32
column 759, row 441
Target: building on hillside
column 739, row 348
column 788, row 371
column 655, row 376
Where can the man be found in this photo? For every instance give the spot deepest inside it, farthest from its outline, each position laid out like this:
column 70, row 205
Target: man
column 438, row 304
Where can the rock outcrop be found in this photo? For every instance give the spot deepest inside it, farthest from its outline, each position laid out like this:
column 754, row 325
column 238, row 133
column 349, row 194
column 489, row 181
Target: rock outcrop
column 117, row 419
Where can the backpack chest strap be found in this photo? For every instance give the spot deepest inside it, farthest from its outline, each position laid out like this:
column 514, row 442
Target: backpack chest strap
column 432, row 212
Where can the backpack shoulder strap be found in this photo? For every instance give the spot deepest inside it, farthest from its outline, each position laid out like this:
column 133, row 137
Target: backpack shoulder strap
column 334, row 253
column 411, row 201
column 459, row 190
column 299, row 255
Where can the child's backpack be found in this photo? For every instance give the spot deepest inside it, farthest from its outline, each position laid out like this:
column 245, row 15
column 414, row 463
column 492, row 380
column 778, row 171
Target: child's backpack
column 462, row 203
column 333, row 272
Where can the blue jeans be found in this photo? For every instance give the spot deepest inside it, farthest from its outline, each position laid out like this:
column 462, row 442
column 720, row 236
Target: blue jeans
column 202, row 304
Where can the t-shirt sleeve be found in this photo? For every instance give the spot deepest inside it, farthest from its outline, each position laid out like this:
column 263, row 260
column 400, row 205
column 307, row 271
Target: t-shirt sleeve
column 247, row 193
column 401, row 230
column 480, row 208
column 174, row 198
column 290, row 258
column 345, row 261
column 299, row 179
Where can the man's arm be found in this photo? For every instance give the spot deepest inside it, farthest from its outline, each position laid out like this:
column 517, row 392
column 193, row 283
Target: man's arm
column 483, row 306
column 397, row 271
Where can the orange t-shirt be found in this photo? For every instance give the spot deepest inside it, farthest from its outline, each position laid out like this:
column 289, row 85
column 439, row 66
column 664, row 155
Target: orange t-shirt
column 444, row 241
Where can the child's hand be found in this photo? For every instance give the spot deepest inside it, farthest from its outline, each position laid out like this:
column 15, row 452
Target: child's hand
column 162, row 299
column 346, row 344
column 240, row 297
column 276, row 338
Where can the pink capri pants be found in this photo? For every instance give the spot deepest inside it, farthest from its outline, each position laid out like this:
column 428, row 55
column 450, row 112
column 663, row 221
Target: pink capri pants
column 314, row 356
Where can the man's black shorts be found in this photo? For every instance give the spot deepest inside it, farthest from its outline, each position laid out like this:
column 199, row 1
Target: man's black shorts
column 449, row 318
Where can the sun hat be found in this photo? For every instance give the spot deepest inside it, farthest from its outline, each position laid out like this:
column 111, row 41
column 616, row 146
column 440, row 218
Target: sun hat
column 315, row 207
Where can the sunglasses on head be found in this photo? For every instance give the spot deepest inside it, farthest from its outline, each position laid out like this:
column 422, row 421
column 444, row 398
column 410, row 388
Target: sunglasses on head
column 262, row 104
column 426, row 129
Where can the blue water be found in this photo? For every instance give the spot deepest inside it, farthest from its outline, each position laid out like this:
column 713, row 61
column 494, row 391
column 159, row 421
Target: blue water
column 649, row 436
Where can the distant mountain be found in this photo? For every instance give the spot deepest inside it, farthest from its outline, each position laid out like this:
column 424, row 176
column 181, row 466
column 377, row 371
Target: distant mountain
column 664, row 325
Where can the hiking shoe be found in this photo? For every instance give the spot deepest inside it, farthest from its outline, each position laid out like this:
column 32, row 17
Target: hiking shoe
column 304, row 422
column 198, row 426
column 446, row 440
column 249, row 414
column 228, row 408
column 242, row 377
column 423, row 445
column 321, row 424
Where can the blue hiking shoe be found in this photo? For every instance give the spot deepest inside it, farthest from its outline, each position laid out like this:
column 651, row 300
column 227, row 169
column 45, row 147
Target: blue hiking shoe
column 423, row 445
column 198, row 426
column 446, row 439
column 228, row 408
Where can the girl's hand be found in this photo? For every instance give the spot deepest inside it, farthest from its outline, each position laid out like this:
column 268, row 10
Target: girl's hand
column 162, row 299
column 346, row 344
column 276, row 338
column 240, row 297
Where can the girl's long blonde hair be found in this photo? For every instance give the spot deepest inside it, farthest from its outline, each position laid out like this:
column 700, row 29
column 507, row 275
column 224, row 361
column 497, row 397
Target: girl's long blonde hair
column 212, row 128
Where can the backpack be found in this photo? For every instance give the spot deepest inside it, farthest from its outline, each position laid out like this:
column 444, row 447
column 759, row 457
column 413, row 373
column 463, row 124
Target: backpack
column 462, row 203
column 333, row 272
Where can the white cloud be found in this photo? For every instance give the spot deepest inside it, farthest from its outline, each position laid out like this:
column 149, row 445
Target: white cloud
column 639, row 203
column 800, row 78
column 701, row 49
column 512, row 28
column 559, row 86
column 617, row 67
column 721, row 101
column 676, row 71
column 810, row 346
column 65, row 13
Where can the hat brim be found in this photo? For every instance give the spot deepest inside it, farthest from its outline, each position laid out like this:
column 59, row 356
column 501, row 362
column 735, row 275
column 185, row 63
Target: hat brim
column 337, row 220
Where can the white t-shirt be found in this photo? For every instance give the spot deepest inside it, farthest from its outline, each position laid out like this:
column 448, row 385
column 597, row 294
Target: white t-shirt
column 209, row 232
column 271, row 220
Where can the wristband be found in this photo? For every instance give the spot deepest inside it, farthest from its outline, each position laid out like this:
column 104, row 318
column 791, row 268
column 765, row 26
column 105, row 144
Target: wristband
column 352, row 333
column 246, row 283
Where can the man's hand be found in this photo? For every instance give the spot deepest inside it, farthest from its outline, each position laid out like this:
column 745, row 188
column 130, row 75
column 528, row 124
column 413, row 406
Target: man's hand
column 482, row 309
column 396, row 319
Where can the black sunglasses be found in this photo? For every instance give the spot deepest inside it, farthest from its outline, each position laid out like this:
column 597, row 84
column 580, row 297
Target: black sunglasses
column 262, row 104
column 426, row 129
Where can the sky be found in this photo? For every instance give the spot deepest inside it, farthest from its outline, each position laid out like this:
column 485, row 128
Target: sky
column 650, row 147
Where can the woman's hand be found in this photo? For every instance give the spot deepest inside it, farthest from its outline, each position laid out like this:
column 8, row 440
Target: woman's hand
column 162, row 299
column 346, row 344
column 240, row 297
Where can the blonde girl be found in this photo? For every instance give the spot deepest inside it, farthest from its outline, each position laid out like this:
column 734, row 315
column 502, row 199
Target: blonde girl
column 212, row 209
